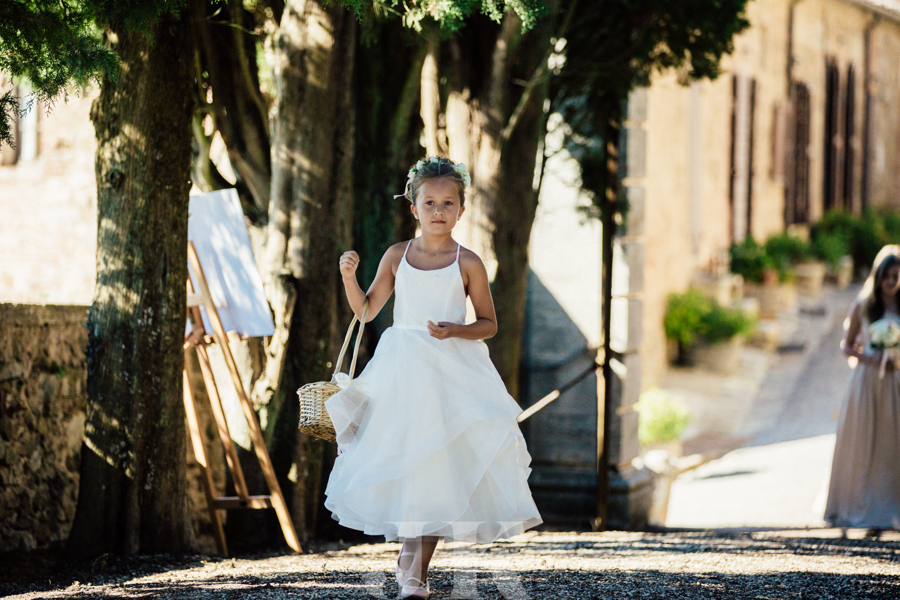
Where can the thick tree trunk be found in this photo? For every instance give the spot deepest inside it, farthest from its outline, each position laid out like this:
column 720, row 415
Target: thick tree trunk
column 132, row 491
column 309, row 220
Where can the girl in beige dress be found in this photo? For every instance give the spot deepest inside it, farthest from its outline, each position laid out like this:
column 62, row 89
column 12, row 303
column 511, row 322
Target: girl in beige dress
column 864, row 490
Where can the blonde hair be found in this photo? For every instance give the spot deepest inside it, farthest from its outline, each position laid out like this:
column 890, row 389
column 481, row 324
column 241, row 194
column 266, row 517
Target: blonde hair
column 436, row 167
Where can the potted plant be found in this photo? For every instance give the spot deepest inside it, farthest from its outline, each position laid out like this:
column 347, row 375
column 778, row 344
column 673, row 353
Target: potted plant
column 833, row 249
column 760, row 274
column 683, row 323
column 798, row 259
column 724, row 332
column 706, row 334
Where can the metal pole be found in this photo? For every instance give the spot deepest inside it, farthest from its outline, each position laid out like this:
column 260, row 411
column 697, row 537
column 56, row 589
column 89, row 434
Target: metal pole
column 604, row 407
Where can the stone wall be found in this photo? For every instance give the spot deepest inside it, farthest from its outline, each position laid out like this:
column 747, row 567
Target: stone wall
column 43, row 377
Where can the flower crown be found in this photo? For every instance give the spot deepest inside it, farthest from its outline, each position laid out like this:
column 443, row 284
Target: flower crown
column 460, row 169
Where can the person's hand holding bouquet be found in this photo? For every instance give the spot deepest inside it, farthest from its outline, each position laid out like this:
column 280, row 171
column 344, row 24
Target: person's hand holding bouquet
column 885, row 336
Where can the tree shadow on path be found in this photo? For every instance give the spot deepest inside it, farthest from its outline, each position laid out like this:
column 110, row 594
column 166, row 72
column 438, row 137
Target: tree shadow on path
column 666, row 566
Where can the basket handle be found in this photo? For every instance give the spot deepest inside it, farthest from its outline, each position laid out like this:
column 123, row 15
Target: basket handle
column 362, row 325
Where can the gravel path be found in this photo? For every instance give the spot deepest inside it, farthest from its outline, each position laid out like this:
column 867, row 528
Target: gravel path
column 535, row 565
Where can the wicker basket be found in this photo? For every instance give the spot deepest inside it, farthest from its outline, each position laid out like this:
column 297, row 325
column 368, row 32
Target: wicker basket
column 314, row 419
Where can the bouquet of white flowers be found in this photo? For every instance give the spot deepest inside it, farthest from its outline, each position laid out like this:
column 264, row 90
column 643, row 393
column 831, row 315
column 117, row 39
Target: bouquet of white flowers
column 885, row 336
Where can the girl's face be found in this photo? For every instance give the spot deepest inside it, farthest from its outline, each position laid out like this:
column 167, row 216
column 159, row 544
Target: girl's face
column 890, row 281
column 438, row 207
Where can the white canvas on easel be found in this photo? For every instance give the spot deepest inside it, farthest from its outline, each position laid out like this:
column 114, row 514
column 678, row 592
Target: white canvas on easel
column 216, row 226
column 225, row 299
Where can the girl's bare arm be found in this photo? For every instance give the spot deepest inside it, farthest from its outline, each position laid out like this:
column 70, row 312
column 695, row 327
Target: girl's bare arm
column 382, row 286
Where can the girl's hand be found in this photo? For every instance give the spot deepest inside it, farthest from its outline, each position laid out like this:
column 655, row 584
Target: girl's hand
column 442, row 330
column 348, row 263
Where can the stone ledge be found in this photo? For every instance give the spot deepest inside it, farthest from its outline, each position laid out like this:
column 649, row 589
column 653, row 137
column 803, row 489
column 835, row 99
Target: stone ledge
column 38, row 315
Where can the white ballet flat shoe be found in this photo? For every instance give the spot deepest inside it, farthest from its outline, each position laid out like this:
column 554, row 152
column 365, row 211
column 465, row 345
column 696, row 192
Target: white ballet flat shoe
column 402, row 574
column 414, row 588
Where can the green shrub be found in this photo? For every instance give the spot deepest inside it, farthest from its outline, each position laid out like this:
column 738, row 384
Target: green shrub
column 683, row 321
column 785, row 251
column 661, row 419
column 692, row 316
column 829, row 247
column 862, row 235
column 749, row 260
column 721, row 324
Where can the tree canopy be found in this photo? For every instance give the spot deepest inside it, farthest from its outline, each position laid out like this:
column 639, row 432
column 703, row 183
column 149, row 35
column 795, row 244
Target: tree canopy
column 610, row 51
column 52, row 44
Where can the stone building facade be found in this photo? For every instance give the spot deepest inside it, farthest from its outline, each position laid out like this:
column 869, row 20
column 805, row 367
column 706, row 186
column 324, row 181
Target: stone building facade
column 804, row 118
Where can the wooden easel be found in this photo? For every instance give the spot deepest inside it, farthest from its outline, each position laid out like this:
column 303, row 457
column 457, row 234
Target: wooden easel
column 199, row 338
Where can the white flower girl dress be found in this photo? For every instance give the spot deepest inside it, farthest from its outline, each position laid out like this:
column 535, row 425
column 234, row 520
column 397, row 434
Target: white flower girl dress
column 428, row 434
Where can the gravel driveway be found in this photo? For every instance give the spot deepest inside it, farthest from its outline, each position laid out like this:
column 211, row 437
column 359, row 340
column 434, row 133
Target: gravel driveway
column 535, row 565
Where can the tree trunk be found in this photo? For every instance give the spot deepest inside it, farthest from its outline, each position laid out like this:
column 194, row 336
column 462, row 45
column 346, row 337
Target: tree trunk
column 227, row 63
column 503, row 206
column 309, row 220
column 132, row 491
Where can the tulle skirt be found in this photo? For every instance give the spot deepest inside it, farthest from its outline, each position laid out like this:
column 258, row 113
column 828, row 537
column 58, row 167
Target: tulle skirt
column 864, row 490
column 429, row 445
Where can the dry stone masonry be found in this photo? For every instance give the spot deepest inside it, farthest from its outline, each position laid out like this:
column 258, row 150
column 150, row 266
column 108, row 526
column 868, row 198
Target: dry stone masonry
column 42, row 398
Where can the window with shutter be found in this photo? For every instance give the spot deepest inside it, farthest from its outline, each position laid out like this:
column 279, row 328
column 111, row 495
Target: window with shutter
column 796, row 158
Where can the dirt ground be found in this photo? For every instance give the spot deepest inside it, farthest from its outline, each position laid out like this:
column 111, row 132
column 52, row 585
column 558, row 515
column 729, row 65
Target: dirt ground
column 773, row 565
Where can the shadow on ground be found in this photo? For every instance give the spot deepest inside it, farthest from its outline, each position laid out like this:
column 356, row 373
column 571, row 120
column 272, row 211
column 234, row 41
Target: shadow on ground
column 566, row 565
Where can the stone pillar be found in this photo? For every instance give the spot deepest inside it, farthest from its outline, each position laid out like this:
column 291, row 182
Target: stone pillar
column 631, row 488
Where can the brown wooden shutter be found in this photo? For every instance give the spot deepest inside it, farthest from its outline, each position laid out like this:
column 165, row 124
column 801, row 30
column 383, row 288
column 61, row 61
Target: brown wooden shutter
column 849, row 138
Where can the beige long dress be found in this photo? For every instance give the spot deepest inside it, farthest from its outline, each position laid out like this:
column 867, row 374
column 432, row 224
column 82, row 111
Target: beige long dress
column 865, row 474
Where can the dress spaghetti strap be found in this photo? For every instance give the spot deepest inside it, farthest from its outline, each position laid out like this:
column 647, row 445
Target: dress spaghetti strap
column 407, row 249
column 457, row 253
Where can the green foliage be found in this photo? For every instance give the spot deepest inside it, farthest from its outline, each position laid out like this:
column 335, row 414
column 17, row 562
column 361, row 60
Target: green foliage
column 722, row 324
column 661, row 419
column 450, row 15
column 684, row 317
column 611, row 47
column 780, row 252
column 692, row 316
column 56, row 43
column 829, row 246
column 52, row 44
column 861, row 236
column 785, row 251
column 749, row 260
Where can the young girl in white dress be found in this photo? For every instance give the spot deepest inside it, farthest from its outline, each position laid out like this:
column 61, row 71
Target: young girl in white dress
column 864, row 490
column 429, row 444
